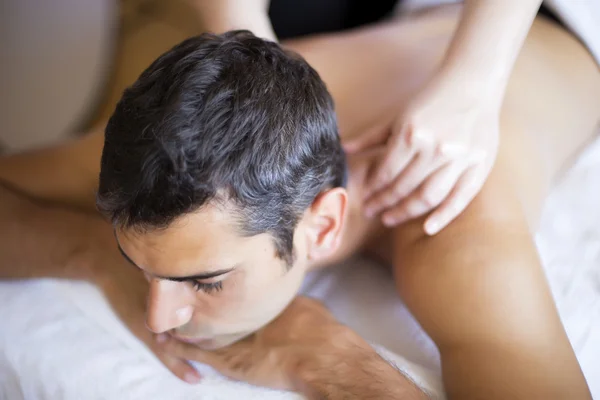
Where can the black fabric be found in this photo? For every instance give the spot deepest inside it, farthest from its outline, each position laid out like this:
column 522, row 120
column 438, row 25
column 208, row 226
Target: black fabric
column 545, row 11
column 293, row 18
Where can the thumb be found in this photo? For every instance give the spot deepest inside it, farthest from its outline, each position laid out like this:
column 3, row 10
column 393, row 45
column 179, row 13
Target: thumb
column 374, row 136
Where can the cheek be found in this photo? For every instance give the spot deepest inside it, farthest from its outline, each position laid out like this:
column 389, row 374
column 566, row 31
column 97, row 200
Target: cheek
column 250, row 300
column 275, row 294
column 233, row 303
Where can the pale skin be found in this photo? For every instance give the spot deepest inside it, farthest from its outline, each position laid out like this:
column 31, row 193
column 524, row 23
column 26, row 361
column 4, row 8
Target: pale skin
column 477, row 288
column 444, row 139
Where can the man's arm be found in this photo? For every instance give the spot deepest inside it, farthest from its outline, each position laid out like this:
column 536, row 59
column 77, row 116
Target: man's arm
column 359, row 374
column 47, row 210
column 479, row 290
column 306, row 350
column 39, row 240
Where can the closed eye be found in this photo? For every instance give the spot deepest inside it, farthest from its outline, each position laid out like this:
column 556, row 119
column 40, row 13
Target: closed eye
column 208, row 287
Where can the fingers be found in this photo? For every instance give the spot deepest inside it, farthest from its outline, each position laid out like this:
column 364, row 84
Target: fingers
column 187, row 351
column 466, row 188
column 176, row 364
column 429, row 195
column 400, row 151
column 217, row 359
column 373, row 137
column 414, row 175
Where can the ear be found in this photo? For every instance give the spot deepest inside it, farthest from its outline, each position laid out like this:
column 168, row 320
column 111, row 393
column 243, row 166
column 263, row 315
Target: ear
column 325, row 221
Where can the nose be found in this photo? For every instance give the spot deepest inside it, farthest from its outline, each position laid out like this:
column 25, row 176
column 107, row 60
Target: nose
column 168, row 307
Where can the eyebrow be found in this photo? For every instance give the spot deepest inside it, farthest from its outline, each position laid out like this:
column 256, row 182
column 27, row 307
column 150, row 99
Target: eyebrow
column 203, row 276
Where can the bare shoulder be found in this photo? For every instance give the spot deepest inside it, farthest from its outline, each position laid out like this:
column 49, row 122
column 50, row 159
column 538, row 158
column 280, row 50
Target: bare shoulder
column 66, row 173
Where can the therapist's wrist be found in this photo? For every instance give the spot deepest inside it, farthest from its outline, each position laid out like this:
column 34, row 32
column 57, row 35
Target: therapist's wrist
column 471, row 84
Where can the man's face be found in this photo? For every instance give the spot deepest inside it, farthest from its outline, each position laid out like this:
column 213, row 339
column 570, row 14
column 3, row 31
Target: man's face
column 209, row 285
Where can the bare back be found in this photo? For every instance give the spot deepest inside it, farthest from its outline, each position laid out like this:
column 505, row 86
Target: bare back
column 553, row 100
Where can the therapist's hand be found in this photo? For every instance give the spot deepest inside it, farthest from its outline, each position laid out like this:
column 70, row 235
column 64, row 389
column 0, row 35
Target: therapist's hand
column 439, row 151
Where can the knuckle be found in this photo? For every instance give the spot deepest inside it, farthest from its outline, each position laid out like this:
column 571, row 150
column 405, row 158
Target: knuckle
column 383, row 200
column 399, row 190
column 441, row 152
column 430, row 196
column 400, row 214
column 411, row 137
column 396, row 212
column 416, row 207
column 454, row 210
column 385, row 176
column 392, row 200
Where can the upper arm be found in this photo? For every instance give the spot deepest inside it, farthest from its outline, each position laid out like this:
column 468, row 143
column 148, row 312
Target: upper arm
column 478, row 279
column 65, row 174
column 479, row 290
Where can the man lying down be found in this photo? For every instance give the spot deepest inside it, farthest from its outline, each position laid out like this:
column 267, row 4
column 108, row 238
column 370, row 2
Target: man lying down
column 224, row 177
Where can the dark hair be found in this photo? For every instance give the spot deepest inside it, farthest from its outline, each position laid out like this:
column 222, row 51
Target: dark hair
column 226, row 117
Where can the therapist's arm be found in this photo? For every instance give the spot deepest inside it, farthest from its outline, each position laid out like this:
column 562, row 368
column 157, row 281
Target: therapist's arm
column 487, row 42
column 443, row 143
column 218, row 16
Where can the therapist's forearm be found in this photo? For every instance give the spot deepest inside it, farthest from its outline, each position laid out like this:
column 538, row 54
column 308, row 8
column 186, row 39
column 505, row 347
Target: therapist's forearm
column 219, row 16
column 486, row 44
column 38, row 240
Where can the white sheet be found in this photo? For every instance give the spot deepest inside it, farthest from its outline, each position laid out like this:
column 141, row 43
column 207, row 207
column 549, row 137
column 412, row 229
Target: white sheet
column 569, row 244
column 59, row 340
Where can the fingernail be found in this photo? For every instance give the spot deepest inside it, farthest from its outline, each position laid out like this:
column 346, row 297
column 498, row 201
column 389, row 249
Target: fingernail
column 431, row 227
column 191, row 377
column 161, row 338
column 389, row 221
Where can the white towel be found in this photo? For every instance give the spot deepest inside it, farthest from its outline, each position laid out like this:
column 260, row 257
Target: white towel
column 60, row 340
